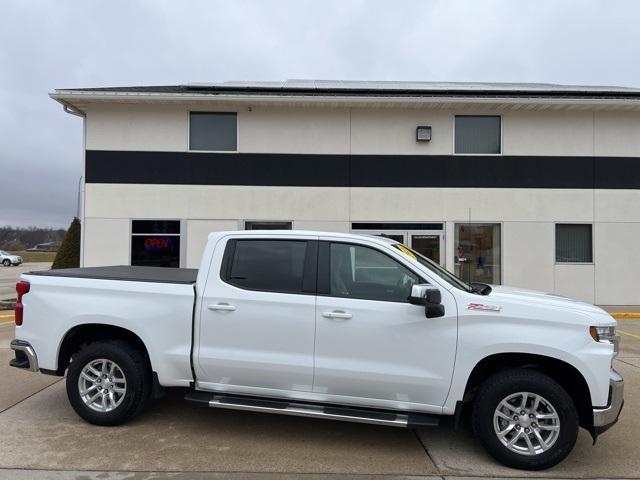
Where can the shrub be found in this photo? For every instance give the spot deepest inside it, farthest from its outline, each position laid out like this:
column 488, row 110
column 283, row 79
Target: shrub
column 68, row 255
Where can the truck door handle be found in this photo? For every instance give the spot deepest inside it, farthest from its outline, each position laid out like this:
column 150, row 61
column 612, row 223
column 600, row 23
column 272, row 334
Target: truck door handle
column 337, row 314
column 225, row 307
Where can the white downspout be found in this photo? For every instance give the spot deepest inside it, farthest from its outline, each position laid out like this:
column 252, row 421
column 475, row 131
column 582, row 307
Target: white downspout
column 70, row 109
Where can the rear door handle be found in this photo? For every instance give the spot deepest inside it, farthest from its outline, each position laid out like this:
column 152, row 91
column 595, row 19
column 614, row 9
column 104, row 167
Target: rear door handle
column 225, row 307
column 337, row 314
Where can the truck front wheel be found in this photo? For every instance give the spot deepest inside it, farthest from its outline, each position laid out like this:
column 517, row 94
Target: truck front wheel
column 108, row 382
column 525, row 419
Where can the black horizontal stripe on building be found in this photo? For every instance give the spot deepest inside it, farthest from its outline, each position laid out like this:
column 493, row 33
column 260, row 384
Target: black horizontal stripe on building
column 310, row 170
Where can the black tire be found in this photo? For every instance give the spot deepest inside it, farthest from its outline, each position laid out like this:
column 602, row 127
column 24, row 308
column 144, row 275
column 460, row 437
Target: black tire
column 6, row 262
column 498, row 387
column 136, row 371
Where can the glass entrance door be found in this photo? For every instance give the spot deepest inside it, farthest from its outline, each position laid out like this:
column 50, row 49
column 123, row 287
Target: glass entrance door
column 429, row 243
column 477, row 252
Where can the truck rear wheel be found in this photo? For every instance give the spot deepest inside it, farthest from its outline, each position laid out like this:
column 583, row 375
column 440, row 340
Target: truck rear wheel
column 108, row 382
column 525, row 419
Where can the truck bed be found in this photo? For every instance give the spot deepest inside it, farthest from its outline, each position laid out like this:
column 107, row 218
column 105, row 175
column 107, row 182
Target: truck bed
column 127, row 273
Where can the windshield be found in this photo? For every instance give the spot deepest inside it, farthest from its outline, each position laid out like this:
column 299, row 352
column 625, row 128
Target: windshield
column 2, row 252
column 446, row 275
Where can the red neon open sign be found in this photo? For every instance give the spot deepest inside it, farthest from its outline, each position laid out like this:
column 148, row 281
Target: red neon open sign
column 157, row 243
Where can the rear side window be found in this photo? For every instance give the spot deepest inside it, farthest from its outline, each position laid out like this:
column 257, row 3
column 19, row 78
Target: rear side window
column 267, row 265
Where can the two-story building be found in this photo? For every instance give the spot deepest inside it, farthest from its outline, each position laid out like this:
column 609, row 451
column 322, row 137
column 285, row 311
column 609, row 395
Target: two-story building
column 530, row 185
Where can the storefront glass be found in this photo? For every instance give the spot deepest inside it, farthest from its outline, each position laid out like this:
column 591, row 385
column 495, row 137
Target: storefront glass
column 155, row 243
column 477, row 252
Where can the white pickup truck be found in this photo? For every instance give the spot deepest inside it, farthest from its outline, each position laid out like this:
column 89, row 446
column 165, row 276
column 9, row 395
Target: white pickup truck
column 326, row 325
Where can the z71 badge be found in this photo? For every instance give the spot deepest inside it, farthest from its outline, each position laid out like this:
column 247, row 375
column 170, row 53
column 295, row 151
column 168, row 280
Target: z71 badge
column 483, row 307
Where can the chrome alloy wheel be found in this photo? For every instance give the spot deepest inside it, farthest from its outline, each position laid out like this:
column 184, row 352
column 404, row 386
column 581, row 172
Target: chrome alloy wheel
column 526, row 423
column 102, row 385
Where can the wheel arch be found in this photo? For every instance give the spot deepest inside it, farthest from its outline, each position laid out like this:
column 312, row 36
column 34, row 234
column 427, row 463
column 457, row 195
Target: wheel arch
column 80, row 335
column 562, row 372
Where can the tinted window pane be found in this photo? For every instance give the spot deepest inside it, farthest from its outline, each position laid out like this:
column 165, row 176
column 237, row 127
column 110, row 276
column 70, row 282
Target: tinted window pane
column 155, row 226
column 272, row 265
column 573, row 243
column 155, row 250
column 213, row 131
column 362, row 272
column 477, row 134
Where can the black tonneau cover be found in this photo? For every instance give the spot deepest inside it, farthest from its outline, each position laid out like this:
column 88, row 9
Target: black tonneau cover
column 127, row 273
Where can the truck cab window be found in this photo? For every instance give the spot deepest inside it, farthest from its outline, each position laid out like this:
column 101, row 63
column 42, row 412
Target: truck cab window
column 268, row 265
column 361, row 272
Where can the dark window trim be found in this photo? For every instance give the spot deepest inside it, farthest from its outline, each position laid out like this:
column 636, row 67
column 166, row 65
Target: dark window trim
column 396, row 226
column 324, row 270
column 273, row 222
column 309, row 272
column 341, row 170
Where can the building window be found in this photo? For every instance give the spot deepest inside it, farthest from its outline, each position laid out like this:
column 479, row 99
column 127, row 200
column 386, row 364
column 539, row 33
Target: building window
column 267, row 265
column 213, row 131
column 155, row 243
column 267, row 225
column 477, row 134
column 478, row 254
column 574, row 243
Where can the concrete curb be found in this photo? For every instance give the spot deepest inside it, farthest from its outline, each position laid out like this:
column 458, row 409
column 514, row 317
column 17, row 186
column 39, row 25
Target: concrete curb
column 625, row 315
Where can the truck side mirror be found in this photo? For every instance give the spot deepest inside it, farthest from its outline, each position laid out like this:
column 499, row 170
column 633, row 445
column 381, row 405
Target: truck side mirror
column 430, row 297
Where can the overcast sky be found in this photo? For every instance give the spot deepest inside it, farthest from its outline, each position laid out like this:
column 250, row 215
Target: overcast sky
column 83, row 43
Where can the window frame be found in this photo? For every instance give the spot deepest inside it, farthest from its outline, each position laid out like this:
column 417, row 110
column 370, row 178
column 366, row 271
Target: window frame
column 309, row 269
column 324, row 270
column 235, row 112
column 453, row 140
column 182, row 236
column 555, row 244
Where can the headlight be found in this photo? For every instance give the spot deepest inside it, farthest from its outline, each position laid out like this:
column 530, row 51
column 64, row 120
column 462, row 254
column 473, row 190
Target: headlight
column 606, row 335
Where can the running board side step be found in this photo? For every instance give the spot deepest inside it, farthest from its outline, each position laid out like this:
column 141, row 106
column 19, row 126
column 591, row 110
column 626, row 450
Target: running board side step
column 314, row 410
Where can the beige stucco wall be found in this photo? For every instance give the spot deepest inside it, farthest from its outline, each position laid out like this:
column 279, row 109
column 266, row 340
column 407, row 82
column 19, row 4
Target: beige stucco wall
column 136, row 127
column 527, row 215
column 576, row 281
column 196, row 237
column 528, row 218
column 560, row 133
column 486, row 204
column 332, row 130
column 527, row 255
column 617, row 263
column 107, row 241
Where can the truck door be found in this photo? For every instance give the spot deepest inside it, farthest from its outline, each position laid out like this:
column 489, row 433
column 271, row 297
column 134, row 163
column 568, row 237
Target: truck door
column 371, row 343
column 257, row 316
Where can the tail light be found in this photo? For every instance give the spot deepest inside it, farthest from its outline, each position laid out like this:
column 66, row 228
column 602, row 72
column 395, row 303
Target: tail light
column 21, row 289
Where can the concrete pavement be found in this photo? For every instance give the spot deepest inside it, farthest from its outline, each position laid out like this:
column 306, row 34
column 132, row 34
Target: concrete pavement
column 43, row 438
column 9, row 276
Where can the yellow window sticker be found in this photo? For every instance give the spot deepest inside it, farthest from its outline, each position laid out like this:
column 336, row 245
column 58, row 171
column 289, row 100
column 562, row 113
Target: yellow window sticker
column 406, row 251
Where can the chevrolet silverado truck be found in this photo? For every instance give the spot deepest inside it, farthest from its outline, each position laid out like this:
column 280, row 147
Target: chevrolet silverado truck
column 326, row 325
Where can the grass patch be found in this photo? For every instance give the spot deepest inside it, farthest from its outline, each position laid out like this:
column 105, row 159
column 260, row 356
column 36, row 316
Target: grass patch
column 36, row 256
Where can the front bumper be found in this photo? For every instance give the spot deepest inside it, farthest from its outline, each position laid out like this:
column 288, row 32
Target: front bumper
column 605, row 418
column 25, row 355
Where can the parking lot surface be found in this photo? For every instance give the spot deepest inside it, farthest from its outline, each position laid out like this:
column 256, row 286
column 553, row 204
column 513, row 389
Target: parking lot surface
column 43, row 438
column 10, row 275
